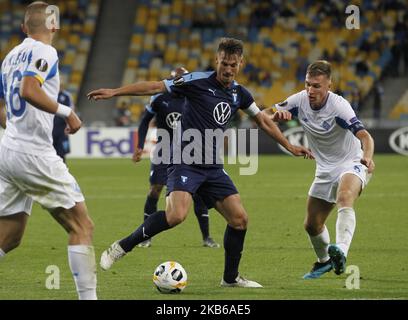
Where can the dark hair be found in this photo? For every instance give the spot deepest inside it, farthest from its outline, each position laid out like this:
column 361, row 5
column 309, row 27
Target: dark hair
column 318, row 68
column 231, row 46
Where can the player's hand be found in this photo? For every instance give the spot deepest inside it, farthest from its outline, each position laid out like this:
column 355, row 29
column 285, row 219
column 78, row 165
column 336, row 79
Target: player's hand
column 137, row 155
column 73, row 123
column 101, row 94
column 281, row 115
column 369, row 163
column 301, row 151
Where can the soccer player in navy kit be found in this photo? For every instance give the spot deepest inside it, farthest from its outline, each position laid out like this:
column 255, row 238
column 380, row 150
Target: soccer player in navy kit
column 59, row 132
column 212, row 97
column 166, row 109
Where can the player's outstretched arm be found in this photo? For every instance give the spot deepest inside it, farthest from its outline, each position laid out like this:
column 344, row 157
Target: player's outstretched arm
column 367, row 143
column 32, row 92
column 266, row 124
column 141, row 88
column 2, row 114
column 277, row 115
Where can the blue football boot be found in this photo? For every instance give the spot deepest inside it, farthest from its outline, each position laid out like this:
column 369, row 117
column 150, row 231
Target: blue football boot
column 338, row 259
column 318, row 270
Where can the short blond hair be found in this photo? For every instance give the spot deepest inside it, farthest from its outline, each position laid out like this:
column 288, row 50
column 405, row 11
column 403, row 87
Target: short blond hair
column 35, row 17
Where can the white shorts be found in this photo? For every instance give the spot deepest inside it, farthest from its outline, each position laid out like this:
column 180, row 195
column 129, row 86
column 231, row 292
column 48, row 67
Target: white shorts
column 325, row 184
column 25, row 178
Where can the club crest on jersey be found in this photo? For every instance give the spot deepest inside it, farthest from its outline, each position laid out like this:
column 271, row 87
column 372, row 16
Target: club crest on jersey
column 178, row 81
column 41, row 65
column 234, row 97
column 222, row 113
column 357, row 169
column 326, row 125
column 172, row 119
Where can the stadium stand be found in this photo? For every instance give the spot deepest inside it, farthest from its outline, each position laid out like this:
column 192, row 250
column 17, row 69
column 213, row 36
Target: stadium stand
column 280, row 40
column 73, row 41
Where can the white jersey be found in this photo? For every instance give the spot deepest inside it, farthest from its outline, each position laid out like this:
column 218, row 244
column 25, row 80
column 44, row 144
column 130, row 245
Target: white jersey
column 329, row 130
column 29, row 129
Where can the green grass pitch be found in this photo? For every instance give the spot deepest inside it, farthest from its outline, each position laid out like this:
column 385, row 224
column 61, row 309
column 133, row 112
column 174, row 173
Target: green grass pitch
column 277, row 251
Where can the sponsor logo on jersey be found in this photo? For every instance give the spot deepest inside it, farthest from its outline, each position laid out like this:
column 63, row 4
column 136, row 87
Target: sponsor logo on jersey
column 178, row 81
column 212, row 91
column 172, row 119
column 283, row 103
column 183, row 179
column 41, row 65
column 222, row 113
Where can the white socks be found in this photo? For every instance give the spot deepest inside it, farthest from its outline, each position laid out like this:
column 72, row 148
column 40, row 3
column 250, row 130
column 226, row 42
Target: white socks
column 81, row 260
column 2, row 253
column 345, row 226
column 320, row 244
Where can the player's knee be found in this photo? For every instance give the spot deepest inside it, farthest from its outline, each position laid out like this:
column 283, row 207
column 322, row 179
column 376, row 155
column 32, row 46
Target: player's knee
column 313, row 229
column 345, row 198
column 175, row 217
column 10, row 244
column 240, row 221
column 155, row 191
column 83, row 228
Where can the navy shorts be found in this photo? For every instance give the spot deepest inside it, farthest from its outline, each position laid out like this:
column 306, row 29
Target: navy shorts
column 158, row 174
column 211, row 184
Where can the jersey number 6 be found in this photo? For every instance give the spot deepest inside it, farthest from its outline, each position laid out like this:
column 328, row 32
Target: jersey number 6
column 15, row 110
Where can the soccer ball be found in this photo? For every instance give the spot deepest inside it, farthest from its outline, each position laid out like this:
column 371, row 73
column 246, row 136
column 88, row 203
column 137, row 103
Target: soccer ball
column 170, row 277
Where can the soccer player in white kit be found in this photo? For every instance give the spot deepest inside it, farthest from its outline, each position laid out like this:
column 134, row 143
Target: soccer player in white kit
column 343, row 150
column 30, row 169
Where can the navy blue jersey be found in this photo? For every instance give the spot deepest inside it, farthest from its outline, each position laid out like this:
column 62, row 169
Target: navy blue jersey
column 60, row 139
column 209, row 106
column 167, row 110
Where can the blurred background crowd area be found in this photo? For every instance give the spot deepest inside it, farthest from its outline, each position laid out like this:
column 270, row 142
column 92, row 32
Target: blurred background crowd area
column 105, row 43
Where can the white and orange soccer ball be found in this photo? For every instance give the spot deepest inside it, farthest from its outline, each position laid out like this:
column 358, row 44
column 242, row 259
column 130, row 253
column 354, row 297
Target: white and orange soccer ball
column 170, row 277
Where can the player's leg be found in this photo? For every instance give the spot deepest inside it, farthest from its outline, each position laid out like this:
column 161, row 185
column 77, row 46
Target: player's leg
column 234, row 213
column 318, row 211
column 349, row 188
column 11, row 231
column 152, row 199
column 177, row 206
column 201, row 212
column 150, row 208
column 15, row 205
column 158, row 178
column 81, row 255
column 178, row 203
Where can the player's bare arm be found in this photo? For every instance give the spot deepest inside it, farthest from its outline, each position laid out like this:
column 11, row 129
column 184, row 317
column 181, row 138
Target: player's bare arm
column 32, row 92
column 2, row 114
column 141, row 88
column 267, row 124
column 269, row 111
column 137, row 155
column 367, row 143
column 277, row 115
